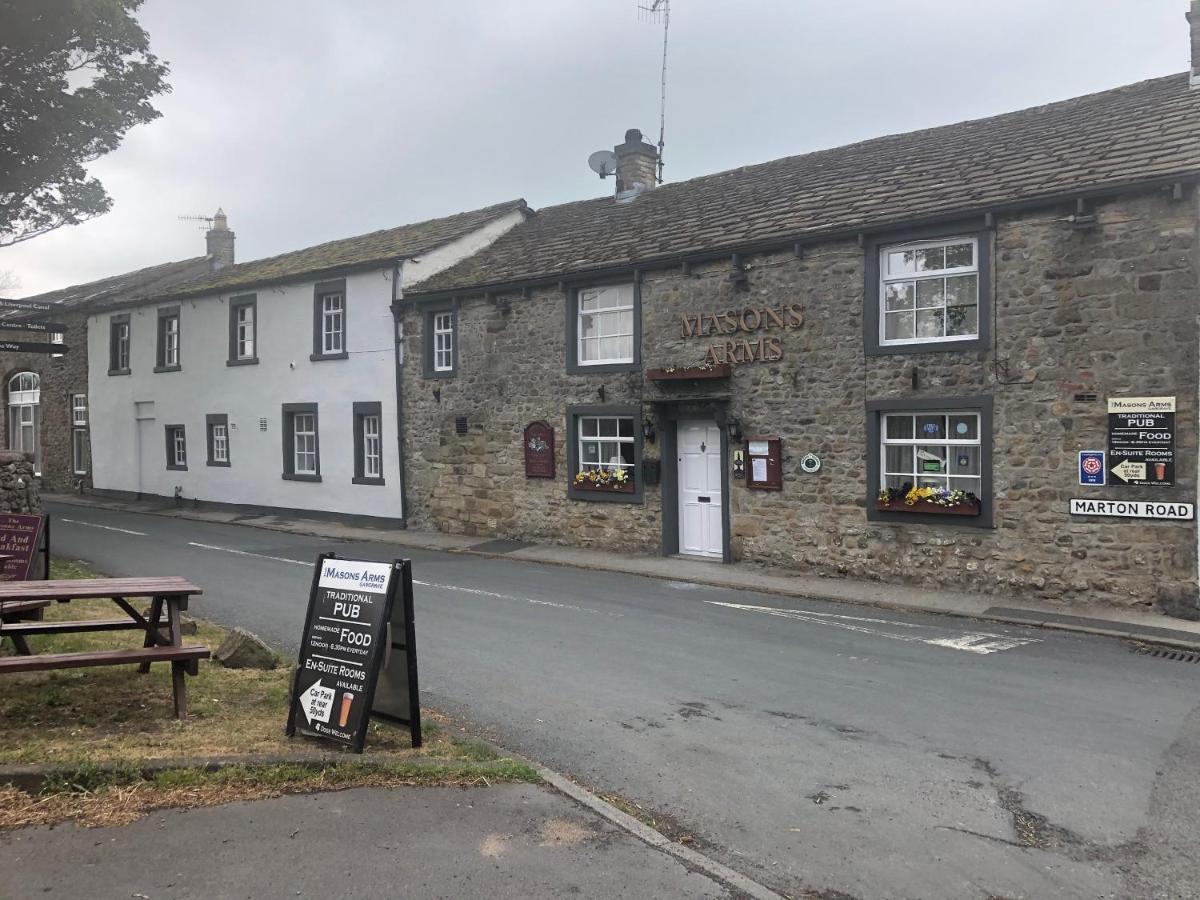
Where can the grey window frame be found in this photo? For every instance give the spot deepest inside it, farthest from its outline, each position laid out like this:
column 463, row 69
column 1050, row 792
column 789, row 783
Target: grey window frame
column 79, row 429
column 427, row 316
column 630, row 410
column 290, row 411
column 235, row 304
column 165, row 314
column 361, row 411
column 114, row 323
column 321, row 290
column 983, row 406
column 170, row 434
column 984, row 238
column 211, row 420
column 572, row 327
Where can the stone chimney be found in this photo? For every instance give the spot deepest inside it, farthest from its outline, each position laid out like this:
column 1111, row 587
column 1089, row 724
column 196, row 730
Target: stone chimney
column 220, row 242
column 1193, row 17
column 637, row 164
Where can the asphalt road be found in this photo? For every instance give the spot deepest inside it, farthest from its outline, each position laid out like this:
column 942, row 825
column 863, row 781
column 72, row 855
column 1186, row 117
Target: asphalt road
column 812, row 746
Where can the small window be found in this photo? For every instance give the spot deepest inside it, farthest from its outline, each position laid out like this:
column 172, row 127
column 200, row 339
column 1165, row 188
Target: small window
column 243, row 330
column 605, row 325
column 329, row 320
column 441, row 341
column 79, row 441
column 176, row 448
column 168, row 340
column 118, row 345
column 368, row 443
column 25, row 416
column 301, row 444
column 217, row 426
column 606, row 443
column 57, row 337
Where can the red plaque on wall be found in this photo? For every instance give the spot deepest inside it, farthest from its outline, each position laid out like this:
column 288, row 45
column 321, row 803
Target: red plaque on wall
column 539, row 450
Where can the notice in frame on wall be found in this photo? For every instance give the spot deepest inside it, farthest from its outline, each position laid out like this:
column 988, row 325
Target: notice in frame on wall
column 539, row 450
column 1141, row 440
column 1091, row 467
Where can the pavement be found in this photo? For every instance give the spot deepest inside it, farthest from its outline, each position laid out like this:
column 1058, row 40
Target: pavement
column 503, row 841
column 1140, row 624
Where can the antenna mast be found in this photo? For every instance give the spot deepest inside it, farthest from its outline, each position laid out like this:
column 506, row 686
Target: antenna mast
column 653, row 12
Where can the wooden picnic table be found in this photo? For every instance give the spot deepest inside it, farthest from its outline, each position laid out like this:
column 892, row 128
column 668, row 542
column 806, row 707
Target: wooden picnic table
column 169, row 594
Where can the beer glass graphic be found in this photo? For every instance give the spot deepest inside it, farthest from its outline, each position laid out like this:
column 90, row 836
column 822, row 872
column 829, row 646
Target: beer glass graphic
column 344, row 714
column 1160, row 471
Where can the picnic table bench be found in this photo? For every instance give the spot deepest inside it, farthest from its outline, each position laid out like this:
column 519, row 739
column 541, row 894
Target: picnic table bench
column 169, row 595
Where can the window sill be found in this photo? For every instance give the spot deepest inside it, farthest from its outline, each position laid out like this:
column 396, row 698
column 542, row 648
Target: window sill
column 603, row 368
column 289, row 476
column 118, row 371
column 321, row 357
column 167, row 369
column 919, row 347
column 221, row 465
column 371, row 481
column 171, row 468
column 252, row 361
column 627, row 494
column 431, row 374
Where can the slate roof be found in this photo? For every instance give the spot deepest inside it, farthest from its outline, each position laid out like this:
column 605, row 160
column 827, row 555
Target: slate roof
column 376, row 248
column 140, row 284
column 1135, row 133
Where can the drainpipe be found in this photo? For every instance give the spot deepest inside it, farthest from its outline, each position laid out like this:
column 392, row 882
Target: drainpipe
column 397, row 296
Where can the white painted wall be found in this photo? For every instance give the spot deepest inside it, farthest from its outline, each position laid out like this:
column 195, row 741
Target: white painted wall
column 129, row 413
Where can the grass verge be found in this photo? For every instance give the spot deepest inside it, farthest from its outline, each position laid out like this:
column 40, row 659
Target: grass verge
column 108, row 735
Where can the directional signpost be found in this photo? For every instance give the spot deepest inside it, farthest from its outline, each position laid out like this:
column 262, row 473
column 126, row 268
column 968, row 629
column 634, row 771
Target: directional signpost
column 31, row 347
column 25, row 305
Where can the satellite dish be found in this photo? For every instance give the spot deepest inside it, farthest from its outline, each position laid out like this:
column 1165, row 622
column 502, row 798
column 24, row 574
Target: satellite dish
column 603, row 163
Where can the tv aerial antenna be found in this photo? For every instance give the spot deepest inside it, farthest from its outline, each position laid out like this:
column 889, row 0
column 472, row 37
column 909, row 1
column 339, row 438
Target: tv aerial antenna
column 660, row 10
column 207, row 220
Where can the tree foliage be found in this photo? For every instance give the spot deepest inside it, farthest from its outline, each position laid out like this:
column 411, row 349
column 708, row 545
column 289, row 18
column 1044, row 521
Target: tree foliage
column 75, row 75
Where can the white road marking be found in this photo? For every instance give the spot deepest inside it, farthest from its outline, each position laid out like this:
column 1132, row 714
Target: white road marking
column 482, row 593
column 282, row 559
column 980, row 642
column 105, row 527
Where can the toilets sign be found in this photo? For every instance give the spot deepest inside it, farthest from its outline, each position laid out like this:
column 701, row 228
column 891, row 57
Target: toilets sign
column 343, row 646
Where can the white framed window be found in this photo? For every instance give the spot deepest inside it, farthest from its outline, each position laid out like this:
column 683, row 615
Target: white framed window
column 931, row 449
column 443, row 342
column 79, row 410
column 220, row 443
column 372, row 448
column 170, row 338
column 176, row 447
column 606, row 442
column 333, row 323
column 24, row 415
column 245, row 328
column 604, row 325
column 929, row 291
column 57, row 337
column 79, row 421
column 304, row 443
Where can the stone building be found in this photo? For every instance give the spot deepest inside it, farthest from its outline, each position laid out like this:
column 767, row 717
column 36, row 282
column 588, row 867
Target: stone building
column 45, row 396
column 736, row 367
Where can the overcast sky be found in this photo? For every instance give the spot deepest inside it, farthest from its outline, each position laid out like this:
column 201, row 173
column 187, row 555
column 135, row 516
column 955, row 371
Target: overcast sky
column 309, row 121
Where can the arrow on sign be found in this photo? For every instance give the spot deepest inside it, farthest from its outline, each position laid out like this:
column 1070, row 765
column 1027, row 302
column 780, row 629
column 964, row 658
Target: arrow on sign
column 317, row 702
column 1128, row 470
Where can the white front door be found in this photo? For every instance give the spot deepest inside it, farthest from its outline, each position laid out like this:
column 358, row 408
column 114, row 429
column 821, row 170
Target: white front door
column 701, row 528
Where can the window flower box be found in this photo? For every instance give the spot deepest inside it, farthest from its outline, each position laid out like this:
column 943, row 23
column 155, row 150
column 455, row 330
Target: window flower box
column 690, row 373
column 938, row 501
column 618, row 481
column 967, row 508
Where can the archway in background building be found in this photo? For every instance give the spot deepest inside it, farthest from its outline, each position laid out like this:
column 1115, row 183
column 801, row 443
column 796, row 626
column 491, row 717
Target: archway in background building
column 24, row 415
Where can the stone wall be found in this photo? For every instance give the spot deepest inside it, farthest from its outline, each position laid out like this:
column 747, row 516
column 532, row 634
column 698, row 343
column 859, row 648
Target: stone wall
column 1109, row 310
column 18, row 487
column 60, row 378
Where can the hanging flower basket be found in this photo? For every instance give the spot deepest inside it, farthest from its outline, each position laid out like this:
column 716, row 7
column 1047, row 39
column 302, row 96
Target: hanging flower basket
column 690, row 373
column 936, row 501
column 603, row 481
